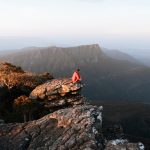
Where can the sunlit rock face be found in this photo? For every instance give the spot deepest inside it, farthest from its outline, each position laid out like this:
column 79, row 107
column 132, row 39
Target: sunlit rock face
column 15, row 82
column 58, row 93
column 14, row 77
column 59, row 87
column 73, row 128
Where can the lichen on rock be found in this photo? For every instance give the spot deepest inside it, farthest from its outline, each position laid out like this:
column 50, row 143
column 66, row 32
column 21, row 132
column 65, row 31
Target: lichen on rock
column 119, row 144
column 59, row 87
column 70, row 128
column 58, row 93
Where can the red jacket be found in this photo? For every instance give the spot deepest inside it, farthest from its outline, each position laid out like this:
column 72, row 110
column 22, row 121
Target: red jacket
column 76, row 77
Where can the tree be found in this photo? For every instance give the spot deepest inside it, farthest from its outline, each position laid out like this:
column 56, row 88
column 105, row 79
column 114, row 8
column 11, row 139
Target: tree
column 25, row 106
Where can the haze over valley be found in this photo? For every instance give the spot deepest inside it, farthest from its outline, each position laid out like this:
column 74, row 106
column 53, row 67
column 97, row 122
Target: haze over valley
column 46, row 45
column 113, row 75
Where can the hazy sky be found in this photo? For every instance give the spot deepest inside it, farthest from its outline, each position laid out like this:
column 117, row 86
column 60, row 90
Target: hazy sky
column 118, row 24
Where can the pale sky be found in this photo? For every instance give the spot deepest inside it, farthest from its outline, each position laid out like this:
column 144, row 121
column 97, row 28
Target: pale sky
column 120, row 24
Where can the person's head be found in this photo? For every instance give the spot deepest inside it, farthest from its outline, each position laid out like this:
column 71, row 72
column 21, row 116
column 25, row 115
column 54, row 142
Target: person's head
column 78, row 69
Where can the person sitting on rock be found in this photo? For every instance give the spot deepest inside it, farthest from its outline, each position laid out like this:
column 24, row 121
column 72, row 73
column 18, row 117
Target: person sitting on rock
column 76, row 76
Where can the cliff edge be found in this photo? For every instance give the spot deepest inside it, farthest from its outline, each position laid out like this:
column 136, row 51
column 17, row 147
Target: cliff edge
column 71, row 124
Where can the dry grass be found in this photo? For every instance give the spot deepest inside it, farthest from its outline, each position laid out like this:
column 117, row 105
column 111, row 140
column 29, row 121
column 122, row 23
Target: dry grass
column 12, row 76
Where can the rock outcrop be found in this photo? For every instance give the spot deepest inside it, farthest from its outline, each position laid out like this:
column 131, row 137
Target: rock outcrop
column 58, row 93
column 73, row 128
column 72, row 123
column 120, row 144
column 14, row 77
column 58, row 87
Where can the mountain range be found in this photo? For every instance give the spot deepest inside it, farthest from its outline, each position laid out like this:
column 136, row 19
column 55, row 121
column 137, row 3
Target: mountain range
column 116, row 54
column 107, row 75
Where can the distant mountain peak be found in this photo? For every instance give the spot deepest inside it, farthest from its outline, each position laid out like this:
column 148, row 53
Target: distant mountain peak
column 91, row 45
column 98, row 69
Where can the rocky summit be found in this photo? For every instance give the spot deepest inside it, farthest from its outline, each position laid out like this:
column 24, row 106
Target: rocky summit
column 58, row 93
column 70, row 122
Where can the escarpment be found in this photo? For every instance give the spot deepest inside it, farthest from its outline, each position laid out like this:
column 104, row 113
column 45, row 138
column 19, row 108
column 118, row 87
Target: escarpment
column 69, row 123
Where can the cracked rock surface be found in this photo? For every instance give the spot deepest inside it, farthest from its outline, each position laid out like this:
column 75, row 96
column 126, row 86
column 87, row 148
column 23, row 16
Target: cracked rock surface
column 58, row 87
column 73, row 128
column 120, row 144
column 58, row 93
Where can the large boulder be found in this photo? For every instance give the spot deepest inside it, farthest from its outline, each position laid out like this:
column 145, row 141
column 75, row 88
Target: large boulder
column 57, row 87
column 58, row 93
column 73, row 128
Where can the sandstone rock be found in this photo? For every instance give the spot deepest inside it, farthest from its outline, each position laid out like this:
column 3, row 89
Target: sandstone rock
column 120, row 144
column 70, row 128
column 59, row 87
column 58, row 93
column 13, row 76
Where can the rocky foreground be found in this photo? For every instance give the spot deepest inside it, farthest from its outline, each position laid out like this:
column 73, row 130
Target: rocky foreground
column 76, row 128
column 73, row 128
column 72, row 123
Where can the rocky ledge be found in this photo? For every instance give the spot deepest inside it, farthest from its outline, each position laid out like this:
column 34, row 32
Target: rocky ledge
column 73, row 128
column 71, row 123
column 56, row 87
column 58, row 93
